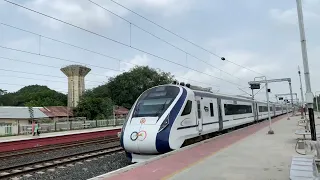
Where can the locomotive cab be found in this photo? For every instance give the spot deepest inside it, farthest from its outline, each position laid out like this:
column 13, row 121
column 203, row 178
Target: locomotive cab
column 149, row 116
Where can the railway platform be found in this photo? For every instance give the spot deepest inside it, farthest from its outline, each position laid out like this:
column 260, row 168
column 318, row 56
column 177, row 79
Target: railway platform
column 245, row 154
column 28, row 141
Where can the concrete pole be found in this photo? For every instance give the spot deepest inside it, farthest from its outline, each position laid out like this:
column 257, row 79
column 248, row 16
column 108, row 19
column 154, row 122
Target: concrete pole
column 301, row 91
column 254, row 107
column 317, row 103
column 288, row 118
column 317, row 106
column 309, row 95
column 290, row 87
column 267, row 94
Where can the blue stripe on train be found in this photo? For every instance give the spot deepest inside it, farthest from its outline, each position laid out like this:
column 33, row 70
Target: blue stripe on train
column 162, row 140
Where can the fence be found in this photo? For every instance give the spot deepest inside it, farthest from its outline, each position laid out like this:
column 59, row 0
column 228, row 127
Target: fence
column 58, row 126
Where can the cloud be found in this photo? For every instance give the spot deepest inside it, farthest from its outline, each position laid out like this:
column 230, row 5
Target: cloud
column 73, row 11
column 86, row 14
column 289, row 16
column 141, row 60
column 166, row 7
column 28, row 44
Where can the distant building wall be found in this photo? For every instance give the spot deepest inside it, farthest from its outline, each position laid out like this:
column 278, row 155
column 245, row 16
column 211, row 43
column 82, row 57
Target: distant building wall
column 14, row 121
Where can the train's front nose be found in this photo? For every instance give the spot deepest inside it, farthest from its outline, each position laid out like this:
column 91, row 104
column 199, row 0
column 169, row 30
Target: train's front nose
column 140, row 135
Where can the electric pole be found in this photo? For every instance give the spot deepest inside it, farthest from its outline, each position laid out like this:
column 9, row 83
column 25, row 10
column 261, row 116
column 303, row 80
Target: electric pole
column 301, row 90
column 309, row 95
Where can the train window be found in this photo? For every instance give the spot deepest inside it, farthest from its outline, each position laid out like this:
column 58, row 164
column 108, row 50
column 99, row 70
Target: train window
column 271, row 108
column 155, row 101
column 211, row 109
column 187, row 108
column 263, row 109
column 232, row 109
column 199, row 109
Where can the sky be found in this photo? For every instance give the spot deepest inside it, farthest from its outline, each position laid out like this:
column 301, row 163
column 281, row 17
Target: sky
column 260, row 35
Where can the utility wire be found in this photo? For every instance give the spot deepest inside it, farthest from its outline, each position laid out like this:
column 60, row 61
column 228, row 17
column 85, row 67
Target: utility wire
column 175, row 34
column 45, row 65
column 76, row 46
column 148, row 32
column 102, row 36
column 13, row 49
column 62, row 42
column 57, row 58
column 72, row 45
column 38, row 64
column 20, row 77
column 81, row 48
column 47, row 75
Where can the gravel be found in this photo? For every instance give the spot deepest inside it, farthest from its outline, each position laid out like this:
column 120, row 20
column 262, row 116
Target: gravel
column 95, row 167
column 8, row 162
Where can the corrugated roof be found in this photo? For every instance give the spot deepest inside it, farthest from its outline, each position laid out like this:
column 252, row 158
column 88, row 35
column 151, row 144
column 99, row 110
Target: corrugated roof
column 121, row 110
column 56, row 111
column 11, row 112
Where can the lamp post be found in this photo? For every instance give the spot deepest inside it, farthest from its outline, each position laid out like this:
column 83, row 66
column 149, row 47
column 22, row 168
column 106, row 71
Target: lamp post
column 309, row 95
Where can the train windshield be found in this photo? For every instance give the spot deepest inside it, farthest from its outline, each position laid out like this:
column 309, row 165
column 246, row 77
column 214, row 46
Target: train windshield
column 155, row 101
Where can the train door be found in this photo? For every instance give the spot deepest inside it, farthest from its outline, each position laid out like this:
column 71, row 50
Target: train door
column 199, row 113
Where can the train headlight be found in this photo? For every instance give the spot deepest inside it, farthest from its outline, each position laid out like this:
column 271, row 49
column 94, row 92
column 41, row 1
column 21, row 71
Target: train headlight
column 164, row 124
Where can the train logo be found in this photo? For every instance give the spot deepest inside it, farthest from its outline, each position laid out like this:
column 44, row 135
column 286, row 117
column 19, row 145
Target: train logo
column 142, row 135
column 142, row 121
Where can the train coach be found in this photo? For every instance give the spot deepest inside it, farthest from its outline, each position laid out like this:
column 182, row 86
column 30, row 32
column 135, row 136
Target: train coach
column 164, row 117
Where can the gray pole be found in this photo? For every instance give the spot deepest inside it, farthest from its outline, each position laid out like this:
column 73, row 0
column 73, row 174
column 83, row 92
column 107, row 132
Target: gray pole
column 309, row 95
column 291, row 95
column 317, row 103
column 267, row 93
column 301, row 90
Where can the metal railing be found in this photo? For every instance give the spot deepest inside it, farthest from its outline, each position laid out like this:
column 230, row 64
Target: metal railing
column 9, row 130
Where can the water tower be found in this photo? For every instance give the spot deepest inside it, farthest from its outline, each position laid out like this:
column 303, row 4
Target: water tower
column 75, row 74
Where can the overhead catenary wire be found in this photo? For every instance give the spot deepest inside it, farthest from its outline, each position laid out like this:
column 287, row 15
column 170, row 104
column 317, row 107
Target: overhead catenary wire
column 76, row 46
column 118, row 42
column 39, row 74
column 45, row 65
column 57, row 58
column 20, row 77
column 148, row 32
column 19, row 60
column 185, row 39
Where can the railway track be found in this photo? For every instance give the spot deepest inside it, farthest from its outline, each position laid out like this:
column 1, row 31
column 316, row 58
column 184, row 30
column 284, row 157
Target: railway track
column 16, row 153
column 14, row 171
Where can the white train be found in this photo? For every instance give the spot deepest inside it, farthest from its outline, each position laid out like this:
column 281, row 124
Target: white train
column 166, row 116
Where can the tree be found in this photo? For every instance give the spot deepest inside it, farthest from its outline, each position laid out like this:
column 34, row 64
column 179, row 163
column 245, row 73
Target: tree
column 121, row 90
column 125, row 88
column 94, row 108
column 34, row 95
